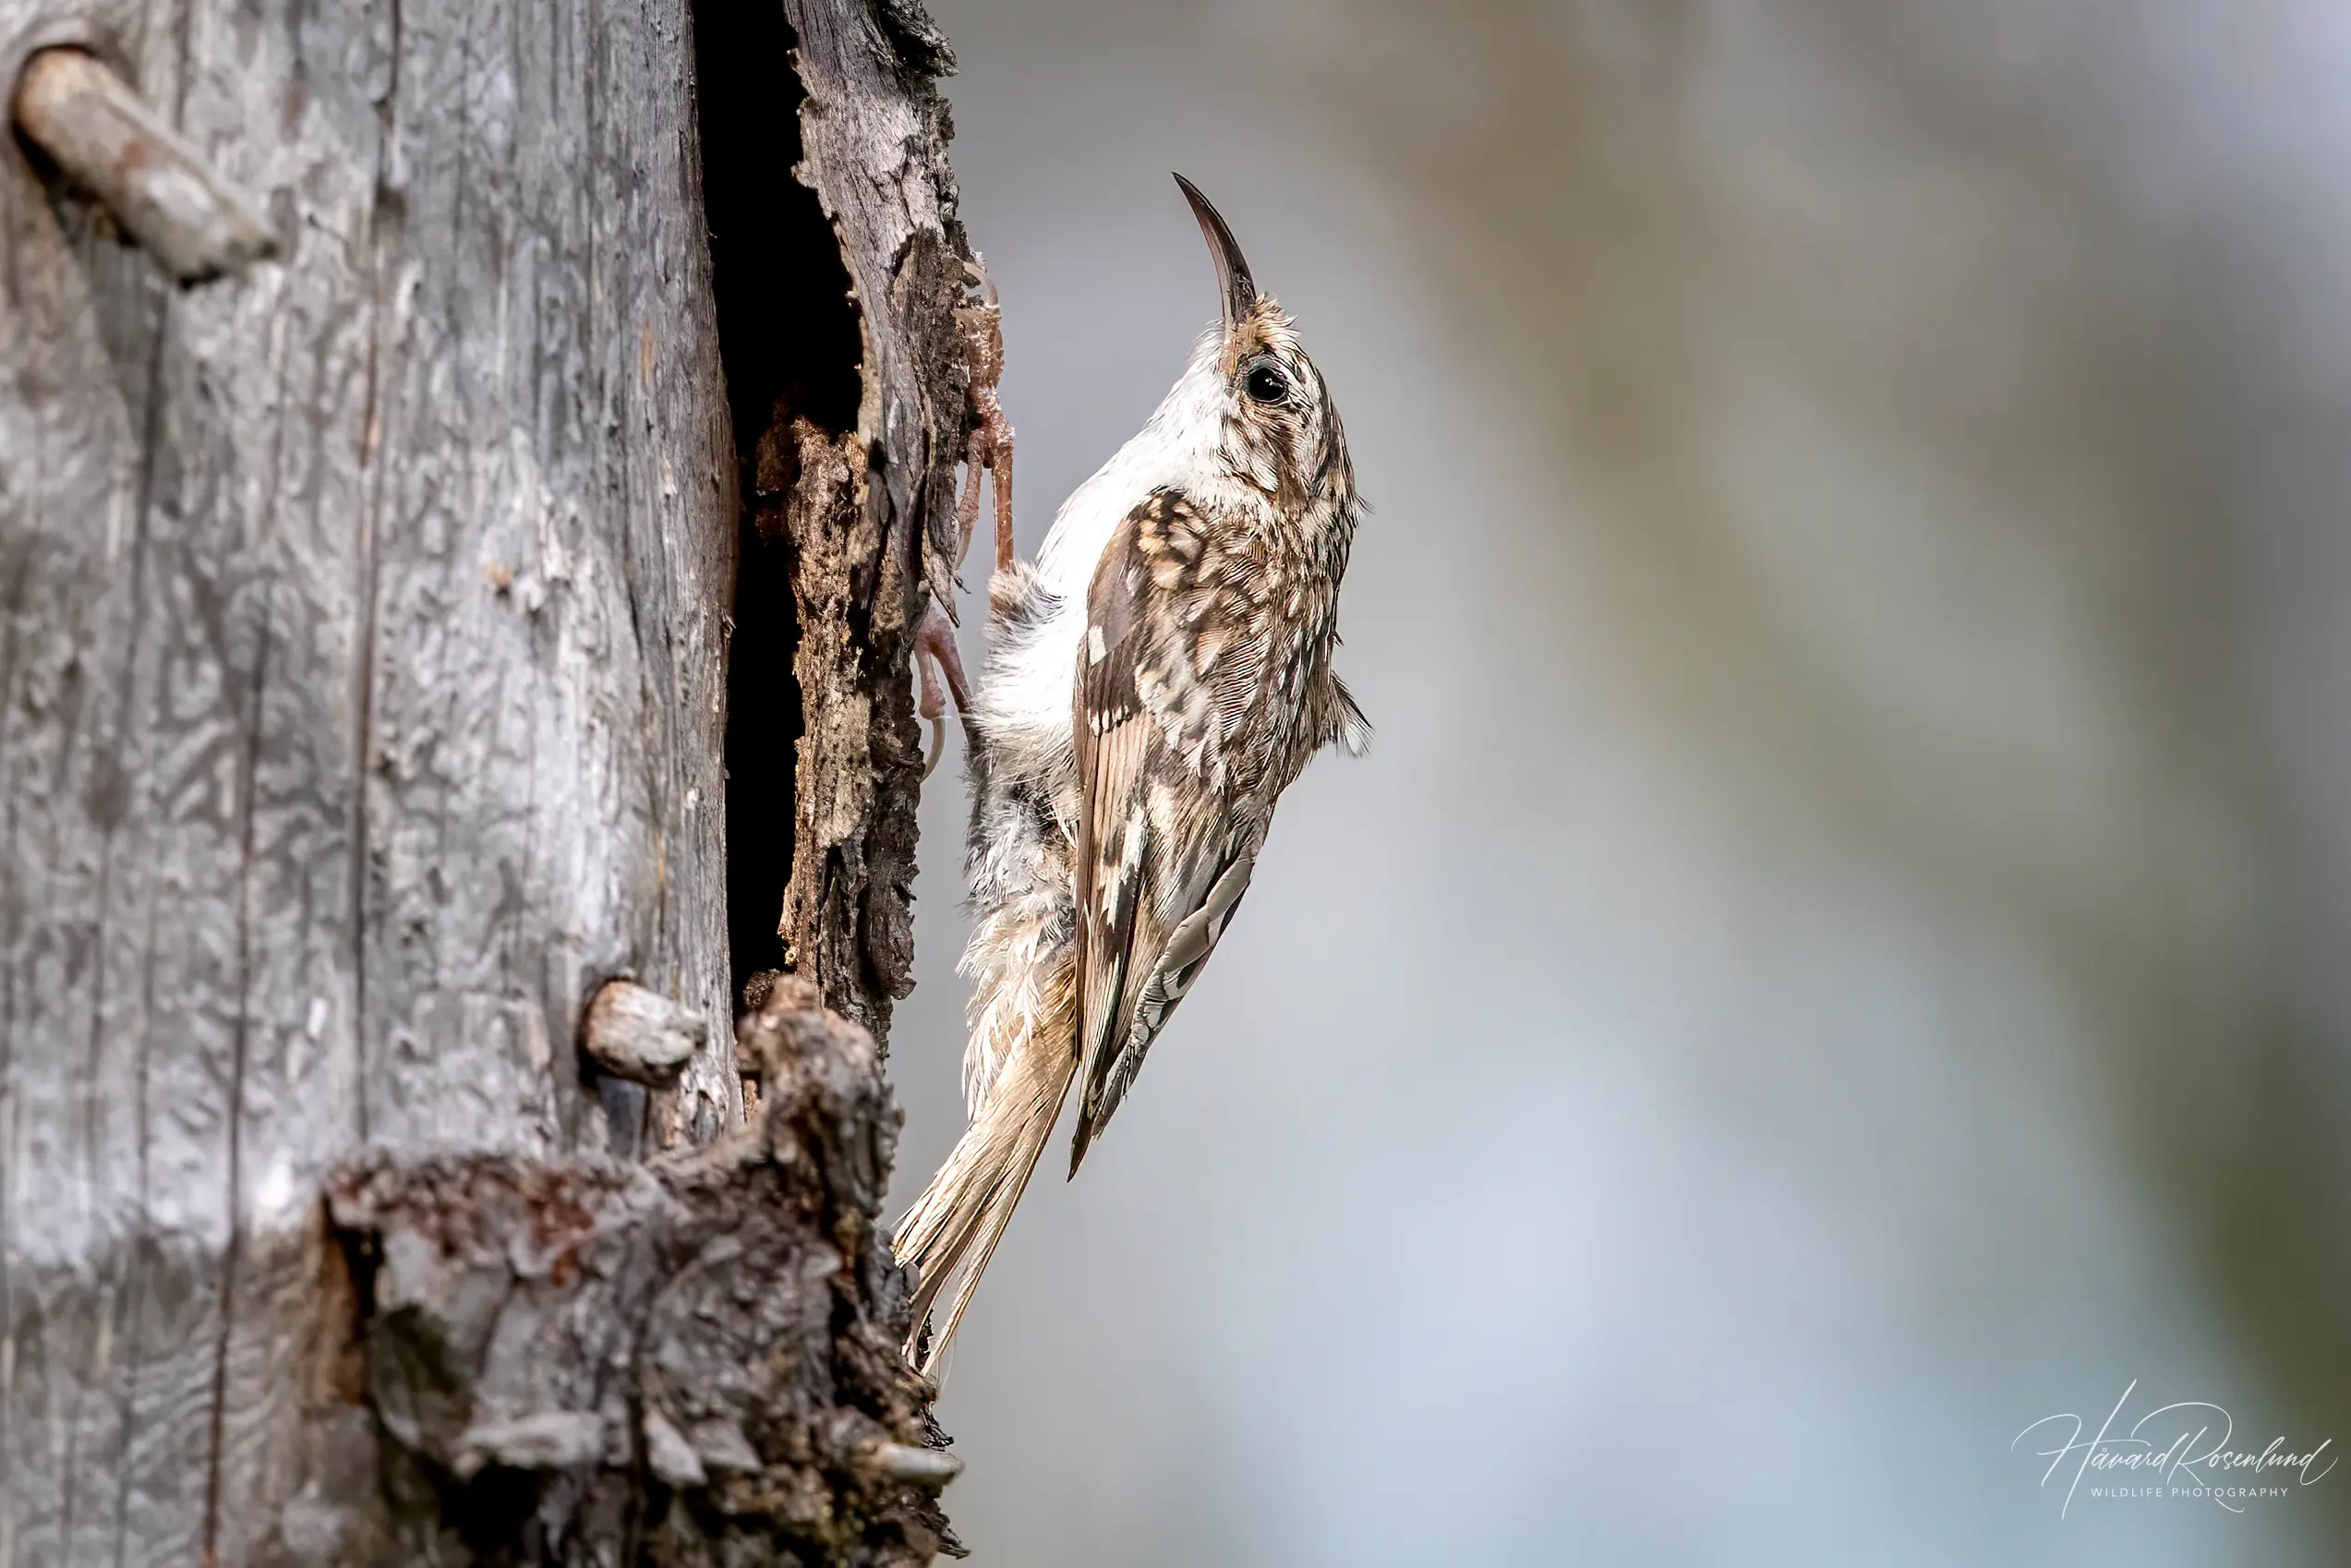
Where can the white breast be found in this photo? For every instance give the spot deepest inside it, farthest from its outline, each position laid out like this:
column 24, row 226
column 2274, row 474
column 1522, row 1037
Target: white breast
column 1025, row 695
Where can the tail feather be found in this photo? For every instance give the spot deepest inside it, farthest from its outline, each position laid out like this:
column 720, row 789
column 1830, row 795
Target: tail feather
column 952, row 1231
column 1023, row 1054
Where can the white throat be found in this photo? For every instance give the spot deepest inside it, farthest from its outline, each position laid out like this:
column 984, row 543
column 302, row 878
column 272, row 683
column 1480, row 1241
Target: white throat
column 1028, row 680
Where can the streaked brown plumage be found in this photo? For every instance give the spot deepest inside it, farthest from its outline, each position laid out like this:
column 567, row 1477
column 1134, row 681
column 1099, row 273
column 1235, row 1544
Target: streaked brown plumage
column 1156, row 681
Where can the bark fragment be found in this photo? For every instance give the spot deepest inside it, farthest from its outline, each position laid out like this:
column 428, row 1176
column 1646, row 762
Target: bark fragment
column 872, row 513
column 697, row 1354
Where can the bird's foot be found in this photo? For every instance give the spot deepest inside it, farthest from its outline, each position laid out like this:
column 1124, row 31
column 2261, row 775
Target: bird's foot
column 938, row 671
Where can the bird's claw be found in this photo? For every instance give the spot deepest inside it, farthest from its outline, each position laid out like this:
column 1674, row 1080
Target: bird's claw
column 939, row 672
column 987, row 456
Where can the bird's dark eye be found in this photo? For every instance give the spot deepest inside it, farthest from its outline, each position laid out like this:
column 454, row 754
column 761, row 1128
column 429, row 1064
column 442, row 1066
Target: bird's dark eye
column 1266, row 383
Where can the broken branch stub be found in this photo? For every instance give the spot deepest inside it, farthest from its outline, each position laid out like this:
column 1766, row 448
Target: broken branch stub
column 641, row 1036
column 165, row 194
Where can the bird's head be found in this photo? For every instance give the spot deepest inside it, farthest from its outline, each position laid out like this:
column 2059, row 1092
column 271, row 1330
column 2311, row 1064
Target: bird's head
column 1277, row 433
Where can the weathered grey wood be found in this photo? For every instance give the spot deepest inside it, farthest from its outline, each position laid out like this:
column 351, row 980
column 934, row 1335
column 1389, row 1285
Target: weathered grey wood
column 361, row 639
column 196, row 224
column 124, row 691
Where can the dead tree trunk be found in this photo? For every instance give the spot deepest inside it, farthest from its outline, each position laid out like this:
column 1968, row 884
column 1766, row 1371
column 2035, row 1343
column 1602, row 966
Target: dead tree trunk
column 498, row 591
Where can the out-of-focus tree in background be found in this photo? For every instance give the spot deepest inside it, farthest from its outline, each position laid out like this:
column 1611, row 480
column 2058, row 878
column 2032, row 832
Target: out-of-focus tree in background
column 1842, row 947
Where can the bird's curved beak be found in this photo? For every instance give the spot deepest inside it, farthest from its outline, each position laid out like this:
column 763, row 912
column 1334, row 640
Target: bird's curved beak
column 1233, row 280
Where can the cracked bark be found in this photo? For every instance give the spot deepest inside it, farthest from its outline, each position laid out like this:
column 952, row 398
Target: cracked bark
column 365, row 640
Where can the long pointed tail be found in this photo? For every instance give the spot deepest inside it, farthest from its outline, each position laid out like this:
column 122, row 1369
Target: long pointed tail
column 1023, row 1054
column 953, row 1229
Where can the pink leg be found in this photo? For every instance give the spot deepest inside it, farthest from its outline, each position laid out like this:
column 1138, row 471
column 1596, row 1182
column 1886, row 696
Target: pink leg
column 1000, row 475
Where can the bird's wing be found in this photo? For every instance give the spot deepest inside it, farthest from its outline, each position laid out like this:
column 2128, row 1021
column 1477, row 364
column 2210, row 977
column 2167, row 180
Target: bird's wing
column 1167, row 677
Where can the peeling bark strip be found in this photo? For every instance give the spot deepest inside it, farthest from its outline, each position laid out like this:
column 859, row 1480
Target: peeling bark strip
column 871, row 515
column 541, row 1336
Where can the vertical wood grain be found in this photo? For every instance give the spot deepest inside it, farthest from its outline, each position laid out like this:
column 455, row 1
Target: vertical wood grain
column 361, row 685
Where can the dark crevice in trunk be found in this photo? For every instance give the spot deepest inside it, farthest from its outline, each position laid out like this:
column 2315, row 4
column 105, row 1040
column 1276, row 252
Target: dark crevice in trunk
column 789, row 343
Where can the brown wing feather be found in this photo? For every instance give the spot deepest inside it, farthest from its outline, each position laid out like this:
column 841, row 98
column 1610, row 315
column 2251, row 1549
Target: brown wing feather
column 1114, row 840
column 1158, row 844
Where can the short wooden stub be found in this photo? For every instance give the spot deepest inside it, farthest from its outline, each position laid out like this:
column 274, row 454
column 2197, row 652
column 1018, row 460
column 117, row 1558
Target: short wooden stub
column 641, row 1036
column 165, row 193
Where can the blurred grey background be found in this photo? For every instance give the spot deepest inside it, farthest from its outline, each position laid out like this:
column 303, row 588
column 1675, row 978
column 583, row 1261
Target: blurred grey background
column 1840, row 948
